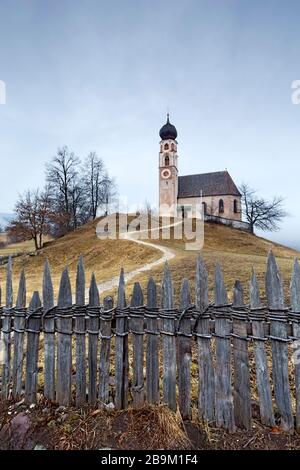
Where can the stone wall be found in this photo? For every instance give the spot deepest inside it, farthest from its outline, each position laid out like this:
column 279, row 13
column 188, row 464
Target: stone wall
column 237, row 224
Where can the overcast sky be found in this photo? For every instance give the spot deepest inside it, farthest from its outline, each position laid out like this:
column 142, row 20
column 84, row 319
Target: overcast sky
column 100, row 75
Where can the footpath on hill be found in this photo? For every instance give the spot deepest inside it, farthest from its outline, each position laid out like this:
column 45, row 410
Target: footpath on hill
column 167, row 255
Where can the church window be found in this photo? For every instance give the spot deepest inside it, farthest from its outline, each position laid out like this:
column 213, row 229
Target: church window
column 221, row 206
column 204, row 207
column 235, row 206
column 166, row 147
column 172, row 147
column 167, row 161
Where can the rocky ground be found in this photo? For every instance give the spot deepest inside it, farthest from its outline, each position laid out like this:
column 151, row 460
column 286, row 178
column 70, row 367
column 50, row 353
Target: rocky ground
column 48, row 426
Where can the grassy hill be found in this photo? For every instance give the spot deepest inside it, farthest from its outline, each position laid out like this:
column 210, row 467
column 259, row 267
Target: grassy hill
column 236, row 251
column 103, row 257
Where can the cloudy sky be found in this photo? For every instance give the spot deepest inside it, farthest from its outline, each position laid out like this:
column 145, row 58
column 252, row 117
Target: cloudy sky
column 100, row 75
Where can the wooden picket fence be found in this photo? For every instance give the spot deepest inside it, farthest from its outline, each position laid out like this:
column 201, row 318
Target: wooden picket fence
column 140, row 353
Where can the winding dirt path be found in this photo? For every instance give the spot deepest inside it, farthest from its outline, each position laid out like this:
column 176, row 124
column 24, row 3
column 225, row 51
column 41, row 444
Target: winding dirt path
column 167, row 254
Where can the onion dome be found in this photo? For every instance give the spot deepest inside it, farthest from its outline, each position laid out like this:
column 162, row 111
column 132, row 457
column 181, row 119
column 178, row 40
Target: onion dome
column 168, row 131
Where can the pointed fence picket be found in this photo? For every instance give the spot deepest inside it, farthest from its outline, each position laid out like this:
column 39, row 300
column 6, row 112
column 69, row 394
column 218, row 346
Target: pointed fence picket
column 80, row 335
column 49, row 333
column 206, row 391
column 152, row 332
column 105, row 351
column 121, row 358
column 33, row 328
column 19, row 331
column 64, row 340
column 93, row 313
column 6, row 332
column 165, row 342
column 295, row 319
column 257, row 318
column 137, row 330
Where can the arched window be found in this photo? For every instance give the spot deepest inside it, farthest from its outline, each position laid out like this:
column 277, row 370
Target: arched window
column 204, row 207
column 235, row 206
column 221, row 206
column 167, row 161
column 172, row 147
column 166, row 147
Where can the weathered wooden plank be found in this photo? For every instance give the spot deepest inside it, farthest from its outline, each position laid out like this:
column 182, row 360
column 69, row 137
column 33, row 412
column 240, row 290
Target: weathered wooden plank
column 168, row 319
column 242, row 391
column 185, row 352
column 64, row 340
column 105, row 335
column 295, row 316
column 6, row 332
column 80, row 312
column 19, row 332
column 224, row 398
column 49, row 333
column 93, row 335
column 278, row 334
column 152, row 361
column 238, row 294
column 137, row 329
column 206, row 392
column 220, row 291
column 262, row 369
column 33, row 335
column 121, row 374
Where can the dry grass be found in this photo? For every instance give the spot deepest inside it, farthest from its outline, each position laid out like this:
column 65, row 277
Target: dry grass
column 237, row 252
column 103, row 257
column 15, row 248
column 148, row 428
column 61, row 428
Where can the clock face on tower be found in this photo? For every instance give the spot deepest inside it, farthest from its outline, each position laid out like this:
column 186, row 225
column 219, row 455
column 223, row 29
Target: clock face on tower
column 165, row 174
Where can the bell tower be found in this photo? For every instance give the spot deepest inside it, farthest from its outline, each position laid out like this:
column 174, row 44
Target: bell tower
column 168, row 170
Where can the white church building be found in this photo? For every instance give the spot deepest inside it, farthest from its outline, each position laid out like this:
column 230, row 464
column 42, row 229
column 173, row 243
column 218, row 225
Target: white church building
column 215, row 193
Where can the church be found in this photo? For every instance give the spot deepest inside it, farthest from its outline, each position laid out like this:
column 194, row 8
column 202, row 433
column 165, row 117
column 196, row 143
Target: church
column 215, row 193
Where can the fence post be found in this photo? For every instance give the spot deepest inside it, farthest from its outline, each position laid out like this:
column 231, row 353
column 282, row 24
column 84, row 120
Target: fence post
column 49, row 333
column 64, row 340
column 121, row 347
column 6, row 331
column 242, row 392
column 185, row 352
column 169, row 340
column 152, row 365
column 33, row 335
column 279, row 342
column 137, row 329
column 19, row 329
column 262, row 370
column 295, row 318
column 105, row 335
column 93, row 312
column 206, row 393
column 224, row 399
column 80, row 311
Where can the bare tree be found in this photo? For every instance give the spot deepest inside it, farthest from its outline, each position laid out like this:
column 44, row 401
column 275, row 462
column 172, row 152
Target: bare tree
column 94, row 182
column 260, row 213
column 33, row 216
column 63, row 180
column 108, row 193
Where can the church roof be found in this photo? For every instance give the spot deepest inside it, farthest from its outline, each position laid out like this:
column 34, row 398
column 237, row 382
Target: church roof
column 218, row 183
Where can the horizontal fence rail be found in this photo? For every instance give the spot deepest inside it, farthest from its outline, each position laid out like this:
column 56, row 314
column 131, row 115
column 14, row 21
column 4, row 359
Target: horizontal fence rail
column 140, row 352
